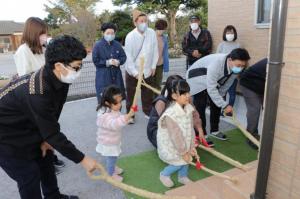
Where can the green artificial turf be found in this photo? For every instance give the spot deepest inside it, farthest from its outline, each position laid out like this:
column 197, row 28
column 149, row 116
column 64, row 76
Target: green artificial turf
column 142, row 170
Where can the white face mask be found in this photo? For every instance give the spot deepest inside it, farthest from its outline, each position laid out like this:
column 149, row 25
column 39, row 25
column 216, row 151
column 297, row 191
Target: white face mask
column 229, row 37
column 194, row 26
column 109, row 37
column 43, row 39
column 142, row 27
column 70, row 77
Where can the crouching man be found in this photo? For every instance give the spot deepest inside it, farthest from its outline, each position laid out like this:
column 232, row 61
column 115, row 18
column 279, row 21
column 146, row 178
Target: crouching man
column 30, row 107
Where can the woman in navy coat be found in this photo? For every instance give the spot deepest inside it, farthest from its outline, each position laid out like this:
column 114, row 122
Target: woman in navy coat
column 108, row 55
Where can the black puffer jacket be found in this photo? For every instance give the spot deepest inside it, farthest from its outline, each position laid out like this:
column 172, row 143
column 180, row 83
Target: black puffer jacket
column 152, row 123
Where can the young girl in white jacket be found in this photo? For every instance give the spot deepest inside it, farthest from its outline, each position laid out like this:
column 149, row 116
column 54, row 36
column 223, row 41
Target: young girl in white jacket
column 175, row 135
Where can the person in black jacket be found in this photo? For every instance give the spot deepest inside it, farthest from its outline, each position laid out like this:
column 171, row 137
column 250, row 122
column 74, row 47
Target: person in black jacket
column 253, row 87
column 197, row 43
column 30, row 107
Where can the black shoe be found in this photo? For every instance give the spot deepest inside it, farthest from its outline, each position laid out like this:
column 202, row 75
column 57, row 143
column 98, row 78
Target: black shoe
column 59, row 163
column 62, row 196
column 131, row 121
column 251, row 144
column 218, row 135
column 210, row 143
column 57, row 170
column 257, row 136
column 222, row 114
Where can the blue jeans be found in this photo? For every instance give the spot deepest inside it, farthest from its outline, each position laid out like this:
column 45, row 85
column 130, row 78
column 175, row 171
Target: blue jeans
column 110, row 164
column 232, row 92
column 170, row 169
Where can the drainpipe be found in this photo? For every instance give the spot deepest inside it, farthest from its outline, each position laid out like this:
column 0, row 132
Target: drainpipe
column 279, row 15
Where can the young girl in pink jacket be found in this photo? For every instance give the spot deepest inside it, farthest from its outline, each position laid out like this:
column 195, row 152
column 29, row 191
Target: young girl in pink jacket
column 110, row 122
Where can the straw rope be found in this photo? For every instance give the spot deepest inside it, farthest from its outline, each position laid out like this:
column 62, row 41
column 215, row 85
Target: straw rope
column 140, row 192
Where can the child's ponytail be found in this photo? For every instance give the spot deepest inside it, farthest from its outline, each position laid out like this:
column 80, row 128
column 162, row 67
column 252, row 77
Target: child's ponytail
column 167, row 90
column 107, row 97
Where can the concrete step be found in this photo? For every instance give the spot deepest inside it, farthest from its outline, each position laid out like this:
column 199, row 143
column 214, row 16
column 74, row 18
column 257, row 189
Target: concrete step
column 214, row 187
column 242, row 189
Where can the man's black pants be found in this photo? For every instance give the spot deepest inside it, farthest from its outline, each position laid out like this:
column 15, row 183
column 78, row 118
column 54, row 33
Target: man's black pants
column 200, row 102
column 32, row 175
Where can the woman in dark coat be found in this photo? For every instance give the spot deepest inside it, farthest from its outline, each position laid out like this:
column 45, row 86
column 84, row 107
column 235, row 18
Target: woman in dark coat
column 108, row 55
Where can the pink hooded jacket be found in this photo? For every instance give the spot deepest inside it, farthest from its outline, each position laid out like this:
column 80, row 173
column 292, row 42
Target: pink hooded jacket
column 110, row 125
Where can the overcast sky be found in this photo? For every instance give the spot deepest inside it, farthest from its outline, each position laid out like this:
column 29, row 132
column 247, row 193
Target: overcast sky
column 20, row 10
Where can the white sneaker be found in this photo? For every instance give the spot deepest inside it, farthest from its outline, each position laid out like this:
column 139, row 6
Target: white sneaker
column 184, row 180
column 117, row 177
column 118, row 170
column 166, row 181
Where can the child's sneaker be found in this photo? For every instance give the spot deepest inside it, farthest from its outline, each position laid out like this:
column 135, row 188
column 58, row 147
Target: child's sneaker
column 184, row 180
column 118, row 170
column 117, row 177
column 166, row 181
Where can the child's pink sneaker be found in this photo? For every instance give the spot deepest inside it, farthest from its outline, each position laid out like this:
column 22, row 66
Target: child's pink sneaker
column 117, row 177
column 118, row 170
column 166, row 181
column 184, row 180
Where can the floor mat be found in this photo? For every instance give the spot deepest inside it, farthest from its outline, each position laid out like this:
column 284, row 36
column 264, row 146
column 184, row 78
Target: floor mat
column 142, row 170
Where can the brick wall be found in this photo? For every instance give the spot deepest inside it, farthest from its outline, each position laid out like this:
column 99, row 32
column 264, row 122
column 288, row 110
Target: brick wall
column 241, row 14
column 284, row 178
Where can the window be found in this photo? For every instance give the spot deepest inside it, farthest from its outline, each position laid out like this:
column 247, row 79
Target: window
column 4, row 40
column 263, row 12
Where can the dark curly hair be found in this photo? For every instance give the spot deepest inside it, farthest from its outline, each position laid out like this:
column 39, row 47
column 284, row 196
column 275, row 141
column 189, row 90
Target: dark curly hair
column 239, row 54
column 109, row 25
column 64, row 49
column 161, row 24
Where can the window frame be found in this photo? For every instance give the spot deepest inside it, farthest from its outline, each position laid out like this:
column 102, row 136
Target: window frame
column 258, row 6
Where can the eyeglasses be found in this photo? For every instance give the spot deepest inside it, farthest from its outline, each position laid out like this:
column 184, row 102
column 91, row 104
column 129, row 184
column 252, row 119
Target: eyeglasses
column 75, row 68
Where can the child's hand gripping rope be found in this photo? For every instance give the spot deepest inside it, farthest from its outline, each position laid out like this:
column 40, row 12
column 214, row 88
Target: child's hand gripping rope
column 199, row 166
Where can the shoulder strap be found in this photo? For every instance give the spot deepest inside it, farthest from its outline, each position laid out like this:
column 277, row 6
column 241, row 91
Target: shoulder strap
column 140, row 49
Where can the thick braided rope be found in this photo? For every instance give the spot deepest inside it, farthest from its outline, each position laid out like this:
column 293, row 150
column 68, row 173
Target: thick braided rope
column 140, row 192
